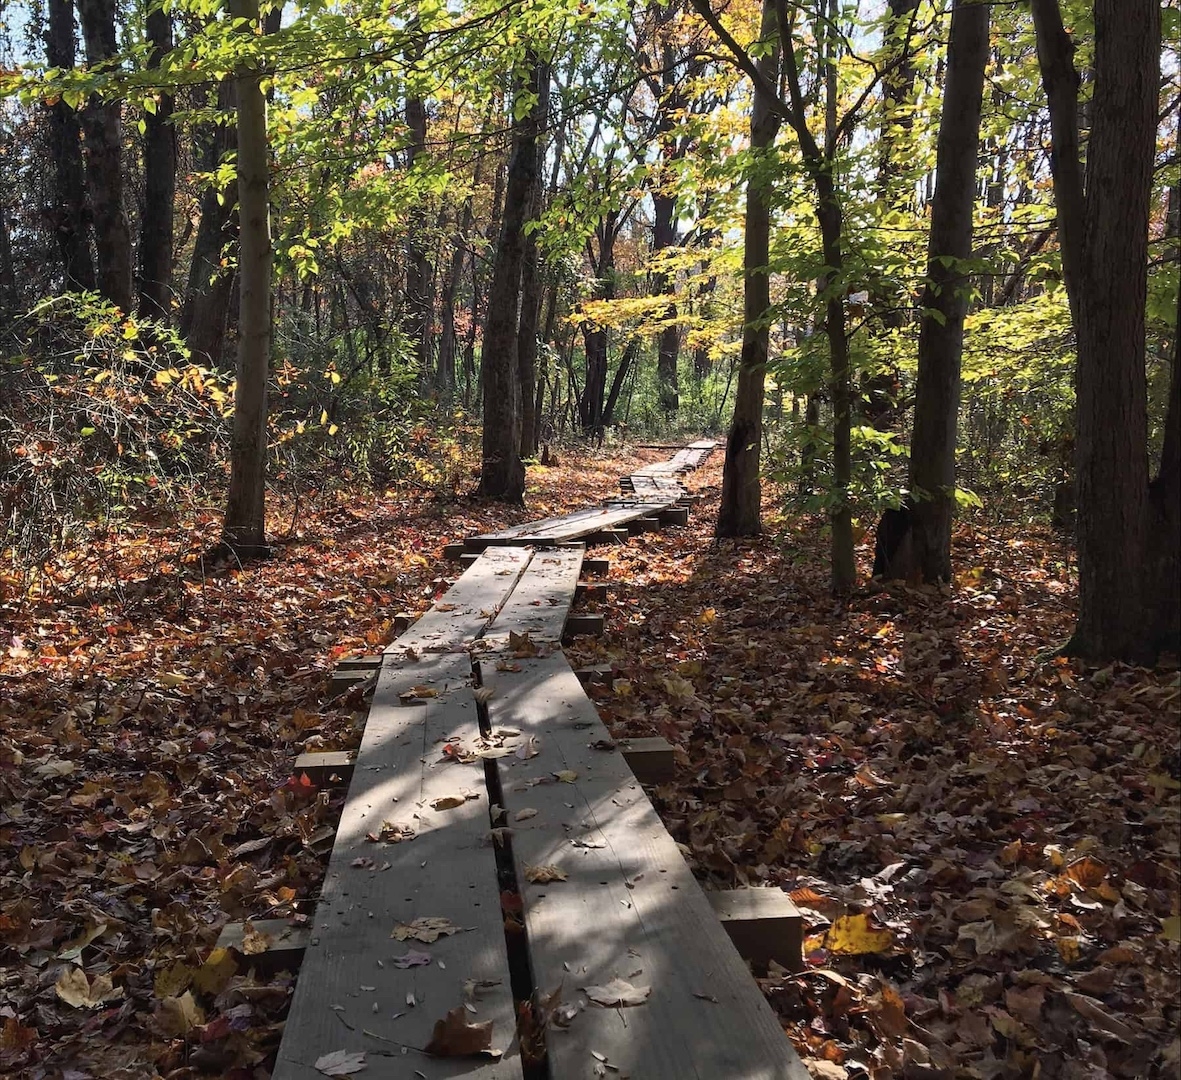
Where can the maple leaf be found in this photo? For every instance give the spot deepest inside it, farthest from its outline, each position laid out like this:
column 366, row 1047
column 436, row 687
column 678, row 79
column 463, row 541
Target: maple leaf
column 425, row 929
column 341, row 1063
column 454, row 1036
column 75, row 989
column 617, row 993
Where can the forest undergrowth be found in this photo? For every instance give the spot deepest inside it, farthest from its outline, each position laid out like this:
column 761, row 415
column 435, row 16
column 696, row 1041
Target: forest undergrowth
column 984, row 839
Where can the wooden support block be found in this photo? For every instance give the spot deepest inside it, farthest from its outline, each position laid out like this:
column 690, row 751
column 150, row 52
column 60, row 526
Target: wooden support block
column 452, row 552
column 403, row 620
column 357, row 663
column 608, row 536
column 674, row 515
column 332, row 768
column 583, row 624
column 591, row 590
column 643, row 525
column 763, row 924
column 341, row 682
column 650, row 759
column 467, row 558
column 596, row 567
column 602, row 673
column 282, row 944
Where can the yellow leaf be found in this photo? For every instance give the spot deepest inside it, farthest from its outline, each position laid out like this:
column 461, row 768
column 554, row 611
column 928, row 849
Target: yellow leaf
column 448, row 802
column 162, row 378
column 172, row 980
column 324, row 417
column 333, row 429
column 707, row 616
column 852, row 935
column 1171, row 928
column 172, row 678
column 213, row 975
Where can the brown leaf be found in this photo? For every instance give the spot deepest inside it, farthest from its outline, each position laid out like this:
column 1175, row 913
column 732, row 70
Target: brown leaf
column 454, row 1036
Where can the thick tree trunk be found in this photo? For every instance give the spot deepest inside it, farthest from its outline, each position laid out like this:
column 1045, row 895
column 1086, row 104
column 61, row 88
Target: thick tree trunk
column 664, row 236
column 741, row 505
column 155, row 238
column 1103, row 231
column 945, row 295
column 207, row 297
column 502, row 476
column 65, row 145
column 244, row 529
column 103, row 127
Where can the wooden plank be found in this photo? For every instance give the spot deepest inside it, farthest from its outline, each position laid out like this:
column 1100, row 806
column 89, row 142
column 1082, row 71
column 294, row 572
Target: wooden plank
column 610, row 519
column 630, row 908
column 328, row 768
column 764, row 925
column 589, row 623
column 284, row 944
column 349, row 983
column 468, row 606
column 651, row 759
column 542, row 599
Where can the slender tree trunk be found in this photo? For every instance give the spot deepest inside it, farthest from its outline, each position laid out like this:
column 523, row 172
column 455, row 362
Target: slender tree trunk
column 502, row 476
column 668, row 346
column 531, row 296
column 103, row 127
column 207, row 297
column 945, row 296
column 8, row 289
column 420, row 275
column 70, row 216
column 155, row 238
column 741, row 504
column 617, row 383
column 1125, row 598
column 594, row 391
column 244, row 530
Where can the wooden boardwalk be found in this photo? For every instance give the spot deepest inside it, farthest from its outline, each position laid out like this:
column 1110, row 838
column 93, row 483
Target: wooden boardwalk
column 486, row 774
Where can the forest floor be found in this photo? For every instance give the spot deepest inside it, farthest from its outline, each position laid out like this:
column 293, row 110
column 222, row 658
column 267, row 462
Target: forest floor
column 985, row 842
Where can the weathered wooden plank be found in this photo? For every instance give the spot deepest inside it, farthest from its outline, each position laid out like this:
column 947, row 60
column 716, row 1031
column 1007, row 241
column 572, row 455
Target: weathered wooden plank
column 468, row 606
column 651, row 759
column 349, row 983
column 590, row 623
column 542, row 599
column 282, row 944
column 629, row 909
column 764, row 925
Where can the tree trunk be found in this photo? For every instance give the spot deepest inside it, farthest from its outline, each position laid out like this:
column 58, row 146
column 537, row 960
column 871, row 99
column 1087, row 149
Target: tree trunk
column 502, row 476
column 103, row 127
column 1103, row 232
column 65, row 144
column 420, row 275
column 664, row 237
column 594, row 391
column 155, row 238
column 621, row 372
column 945, row 295
column 741, row 505
column 244, row 529
column 207, row 297
column 531, row 296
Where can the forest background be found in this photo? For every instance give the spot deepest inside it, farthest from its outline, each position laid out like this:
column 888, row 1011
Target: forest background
column 913, row 258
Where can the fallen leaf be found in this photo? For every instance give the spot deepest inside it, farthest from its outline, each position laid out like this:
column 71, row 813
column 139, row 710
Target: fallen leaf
column 541, row 875
column 851, row 935
column 75, row 989
column 617, row 993
column 341, row 1063
column 454, row 1036
column 448, row 802
column 426, row 929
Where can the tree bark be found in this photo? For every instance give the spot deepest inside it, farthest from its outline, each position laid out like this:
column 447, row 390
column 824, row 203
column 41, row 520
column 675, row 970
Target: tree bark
column 594, row 391
column 244, row 529
column 945, row 295
column 741, row 505
column 531, row 295
column 1103, row 232
column 420, row 274
column 103, row 128
column 155, row 238
column 207, row 297
column 70, row 217
column 502, row 476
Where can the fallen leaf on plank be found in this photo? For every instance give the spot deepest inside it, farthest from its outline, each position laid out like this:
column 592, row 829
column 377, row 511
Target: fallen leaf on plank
column 541, row 875
column 453, row 1036
column 426, row 929
column 341, row 1063
column 617, row 993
